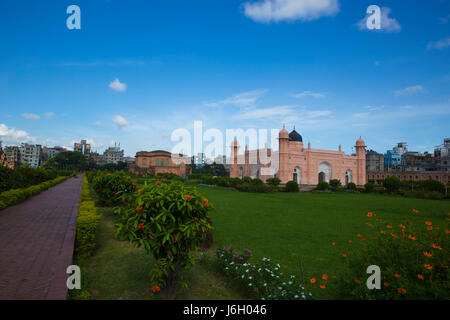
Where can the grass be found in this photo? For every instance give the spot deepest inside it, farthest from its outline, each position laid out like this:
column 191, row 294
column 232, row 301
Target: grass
column 288, row 227
column 285, row 227
column 119, row 271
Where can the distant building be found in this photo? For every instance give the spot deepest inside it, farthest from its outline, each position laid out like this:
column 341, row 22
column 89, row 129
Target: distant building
column 30, row 154
column 113, row 155
column 416, row 161
column 400, row 149
column 159, row 161
column 374, row 161
column 199, row 160
column 442, row 176
column 49, row 153
column 12, row 156
column 442, row 156
column 392, row 161
column 82, row 147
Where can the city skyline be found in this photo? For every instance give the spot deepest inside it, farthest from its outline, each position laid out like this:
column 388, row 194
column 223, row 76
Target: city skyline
column 135, row 73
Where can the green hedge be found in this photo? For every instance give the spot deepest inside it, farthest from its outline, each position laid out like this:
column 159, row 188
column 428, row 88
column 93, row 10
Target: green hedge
column 15, row 196
column 87, row 223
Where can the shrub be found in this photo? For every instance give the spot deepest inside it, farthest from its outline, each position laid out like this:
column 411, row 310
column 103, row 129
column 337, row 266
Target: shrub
column 234, row 182
column 351, row 186
column 246, row 179
column 412, row 258
column 223, row 181
column 169, row 221
column 368, row 187
column 433, row 195
column 109, row 186
column 87, row 223
column 322, row 186
column 392, row 184
column 292, row 186
column 334, row 184
column 273, row 181
column 262, row 280
column 432, row 185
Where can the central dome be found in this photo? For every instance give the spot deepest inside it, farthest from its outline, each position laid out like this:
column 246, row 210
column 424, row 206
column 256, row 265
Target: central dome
column 295, row 136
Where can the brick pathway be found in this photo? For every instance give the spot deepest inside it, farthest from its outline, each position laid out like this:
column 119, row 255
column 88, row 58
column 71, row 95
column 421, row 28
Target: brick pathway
column 36, row 243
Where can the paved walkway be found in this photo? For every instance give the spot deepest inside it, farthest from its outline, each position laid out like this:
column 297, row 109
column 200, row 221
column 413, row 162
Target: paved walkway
column 36, row 243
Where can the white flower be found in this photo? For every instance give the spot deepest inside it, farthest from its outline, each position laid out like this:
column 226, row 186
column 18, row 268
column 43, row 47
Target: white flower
column 242, row 276
column 265, row 284
column 250, row 278
column 296, row 296
column 249, row 284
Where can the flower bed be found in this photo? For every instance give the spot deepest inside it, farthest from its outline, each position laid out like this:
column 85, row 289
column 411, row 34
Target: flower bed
column 15, row 196
column 263, row 279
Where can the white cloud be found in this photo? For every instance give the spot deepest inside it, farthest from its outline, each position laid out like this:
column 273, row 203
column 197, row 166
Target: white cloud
column 289, row 113
column 116, row 85
column 439, row 45
column 49, row 114
column 13, row 136
column 290, row 10
column 389, row 25
column 410, row 90
column 245, row 99
column 30, row 116
column 120, row 121
column 309, row 94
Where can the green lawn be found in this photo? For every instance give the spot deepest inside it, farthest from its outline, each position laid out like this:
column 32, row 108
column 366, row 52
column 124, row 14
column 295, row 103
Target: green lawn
column 284, row 227
column 287, row 227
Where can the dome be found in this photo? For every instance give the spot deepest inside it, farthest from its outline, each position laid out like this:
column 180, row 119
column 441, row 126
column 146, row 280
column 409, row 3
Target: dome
column 295, row 136
column 360, row 142
column 283, row 134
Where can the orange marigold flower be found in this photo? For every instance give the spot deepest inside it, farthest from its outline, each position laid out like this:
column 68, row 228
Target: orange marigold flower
column 401, row 291
column 386, row 284
column 402, row 226
column 156, row 288
column 382, row 232
column 140, row 226
column 359, row 235
column 333, row 243
column 344, row 255
column 312, row 280
column 397, row 275
column 428, row 223
column 389, row 226
column 324, row 276
column 436, row 246
column 369, row 214
column 358, row 282
column 411, row 237
column 139, row 209
column 428, row 266
column 195, row 218
column 421, row 277
column 187, row 197
column 415, row 210
column 430, row 228
column 428, row 254
column 394, row 236
column 158, row 182
column 322, row 286
column 350, row 241
column 206, row 203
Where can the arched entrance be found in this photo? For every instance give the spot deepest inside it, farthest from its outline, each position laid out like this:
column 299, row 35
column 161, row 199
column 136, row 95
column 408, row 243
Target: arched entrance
column 348, row 176
column 324, row 172
column 297, row 176
column 241, row 172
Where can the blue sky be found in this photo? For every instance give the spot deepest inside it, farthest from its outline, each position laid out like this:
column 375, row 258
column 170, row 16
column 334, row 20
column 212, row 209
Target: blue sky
column 231, row 64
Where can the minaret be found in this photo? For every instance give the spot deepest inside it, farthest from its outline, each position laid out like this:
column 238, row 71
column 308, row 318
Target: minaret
column 361, row 162
column 283, row 149
column 234, row 155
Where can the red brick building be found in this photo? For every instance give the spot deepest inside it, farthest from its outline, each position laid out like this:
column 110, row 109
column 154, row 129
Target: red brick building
column 159, row 161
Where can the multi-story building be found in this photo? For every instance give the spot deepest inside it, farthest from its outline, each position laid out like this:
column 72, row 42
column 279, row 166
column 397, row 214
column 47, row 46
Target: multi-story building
column 400, row 149
column 83, row 147
column 30, row 154
column 416, row 161
column 113, row 155
column 374, row 161
column 49, row 153
column 442, row 156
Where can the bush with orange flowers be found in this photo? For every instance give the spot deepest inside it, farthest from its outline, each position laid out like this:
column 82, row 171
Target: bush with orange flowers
column 171, row 222
column 110, row 186
column 413, row 259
